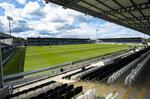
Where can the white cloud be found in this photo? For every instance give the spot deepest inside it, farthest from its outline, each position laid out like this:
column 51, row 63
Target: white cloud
column 10, row 10
column 53, row 26
column 21, row 1
column 106, row 30
column 59, row 22
column 112, row 30
column 54, row 12
column 29, row 8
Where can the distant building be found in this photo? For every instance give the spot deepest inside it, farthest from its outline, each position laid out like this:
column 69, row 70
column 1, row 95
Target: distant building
column 57, row 41
column 121, row 40
column 20, row 41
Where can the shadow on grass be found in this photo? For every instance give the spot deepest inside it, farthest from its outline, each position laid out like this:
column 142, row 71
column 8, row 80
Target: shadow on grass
column 16, row 63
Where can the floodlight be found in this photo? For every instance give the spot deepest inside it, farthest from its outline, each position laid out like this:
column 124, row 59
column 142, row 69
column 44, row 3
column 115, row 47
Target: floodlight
column 9, row 18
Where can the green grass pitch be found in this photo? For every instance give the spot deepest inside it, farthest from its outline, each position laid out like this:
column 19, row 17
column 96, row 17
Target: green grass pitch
column 37, row 57
column 45, row 56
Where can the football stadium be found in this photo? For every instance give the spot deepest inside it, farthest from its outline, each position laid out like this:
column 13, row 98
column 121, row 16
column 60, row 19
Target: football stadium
column 52, row 67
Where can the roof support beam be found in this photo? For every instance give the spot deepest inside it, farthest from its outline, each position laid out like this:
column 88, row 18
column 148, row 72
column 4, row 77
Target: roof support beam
column 101, row 9
column 127, row 11
column 66, row 3
column 123, row 7
column 131, row 8
column 136, row 18
column 93, row 6
column 110, row 9
column 120, row 13
column 69, row 3
column 137, row 7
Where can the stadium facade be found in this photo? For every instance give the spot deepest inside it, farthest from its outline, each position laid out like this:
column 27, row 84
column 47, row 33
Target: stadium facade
column 122, row 40
column 53, row 41
column 65, row 41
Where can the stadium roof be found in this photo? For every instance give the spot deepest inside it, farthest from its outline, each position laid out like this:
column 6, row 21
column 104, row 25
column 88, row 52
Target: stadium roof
column 5, row 36
column 134, row 14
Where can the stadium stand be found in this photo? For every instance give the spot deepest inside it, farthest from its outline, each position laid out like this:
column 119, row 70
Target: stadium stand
column 59, row 90
column 121, row 40
column 136, row 71
column 99, row 73
column 56, row 41
column 120, row 72
column 5, row 36
column 56, row 91
column 7, row 48
column 20, row 42
column 65, row 41
column 7, row 52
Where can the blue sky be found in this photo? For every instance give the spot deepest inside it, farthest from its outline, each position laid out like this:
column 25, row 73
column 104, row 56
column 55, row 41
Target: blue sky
column 34, row 18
